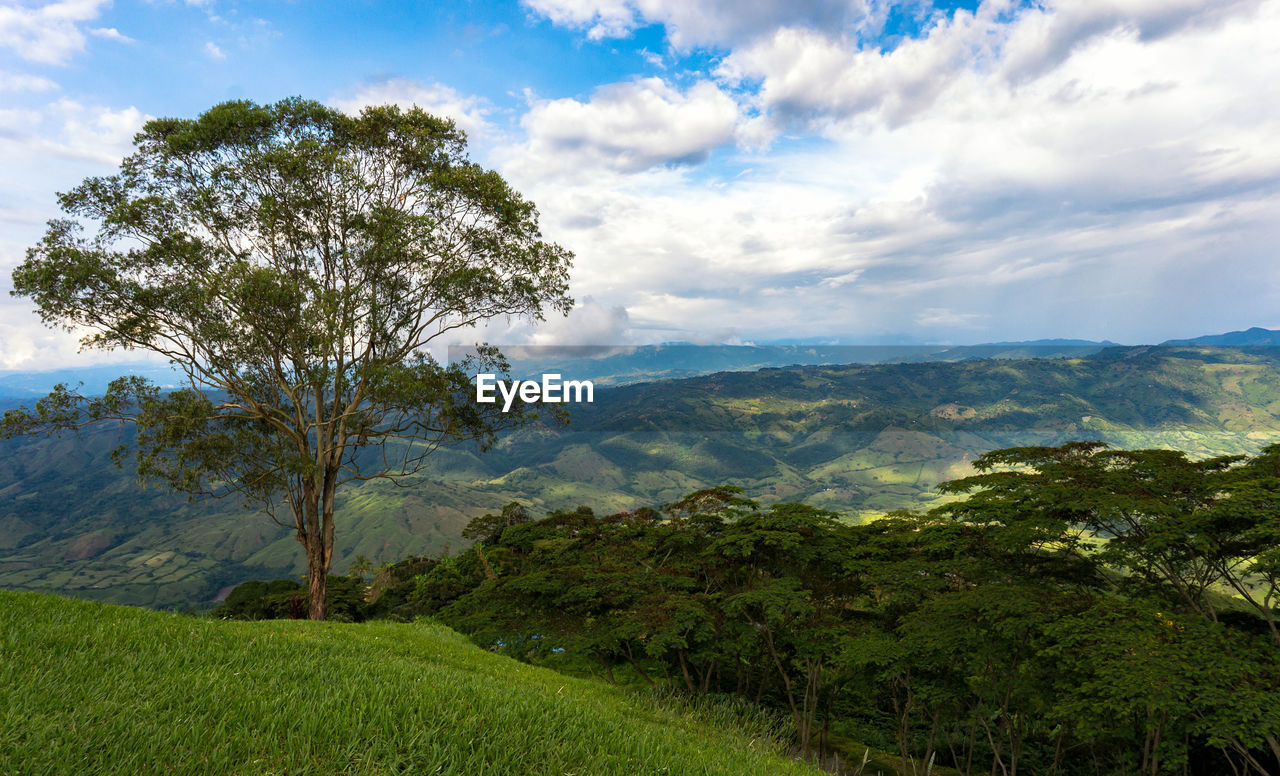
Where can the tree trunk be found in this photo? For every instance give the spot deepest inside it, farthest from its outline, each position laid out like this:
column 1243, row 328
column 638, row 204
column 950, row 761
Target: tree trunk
column 684, row 669
column 317, row 539
column 791, row 698
column 632, row 660
column 317, row 581
column 1275, row 746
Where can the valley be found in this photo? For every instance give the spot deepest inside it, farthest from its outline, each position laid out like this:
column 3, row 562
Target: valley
column 861, row 440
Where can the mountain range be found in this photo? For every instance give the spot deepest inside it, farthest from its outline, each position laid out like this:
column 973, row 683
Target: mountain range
column 626, row 364
column 860, row 439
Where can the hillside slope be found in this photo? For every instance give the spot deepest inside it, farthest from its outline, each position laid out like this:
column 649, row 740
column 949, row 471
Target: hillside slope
column 858, row 439
column 89, row 688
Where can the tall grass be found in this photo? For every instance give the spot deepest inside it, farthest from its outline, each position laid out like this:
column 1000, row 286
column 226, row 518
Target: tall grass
column 93, row 689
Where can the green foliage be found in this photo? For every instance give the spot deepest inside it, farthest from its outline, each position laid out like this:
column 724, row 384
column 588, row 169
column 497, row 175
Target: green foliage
column 489, row 527
column 257, row 600
column 294, row 263
column 286, row 599
column 1000, row 633
column 1175, row 527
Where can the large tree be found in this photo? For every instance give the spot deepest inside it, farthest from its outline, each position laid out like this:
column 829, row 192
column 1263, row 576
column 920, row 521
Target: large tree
column 294, row 264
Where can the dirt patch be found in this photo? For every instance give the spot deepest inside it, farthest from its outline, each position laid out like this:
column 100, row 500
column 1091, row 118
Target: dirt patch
column 953, row 412
column 87, row 546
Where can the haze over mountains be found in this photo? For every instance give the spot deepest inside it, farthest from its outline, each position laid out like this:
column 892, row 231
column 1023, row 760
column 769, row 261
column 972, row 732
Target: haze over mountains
column 860, row 439
column 624, row 364
column 1253, row 337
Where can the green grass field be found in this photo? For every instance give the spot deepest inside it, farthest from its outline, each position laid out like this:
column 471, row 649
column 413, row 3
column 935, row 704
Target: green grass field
column 87, row 688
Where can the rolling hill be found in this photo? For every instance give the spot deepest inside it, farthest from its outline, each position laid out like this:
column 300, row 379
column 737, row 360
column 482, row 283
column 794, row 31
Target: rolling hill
column 858, row 439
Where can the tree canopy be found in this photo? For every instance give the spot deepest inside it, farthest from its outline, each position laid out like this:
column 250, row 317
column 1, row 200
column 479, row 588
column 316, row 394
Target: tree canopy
column 294, row 264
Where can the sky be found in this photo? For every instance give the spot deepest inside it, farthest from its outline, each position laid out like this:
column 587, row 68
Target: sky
column 726, row 171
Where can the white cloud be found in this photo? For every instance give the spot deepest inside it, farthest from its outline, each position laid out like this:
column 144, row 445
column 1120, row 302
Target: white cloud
column 23, row 82
column 835, row 281
column 44, row 150
column 943, row 318
column 69, row 130
column 214, row 51
column 111, row 33
column 588, row 323
column 1044, row 38
column 807, row 77
column 626, row 127
column 690, row 23
column 468, row 113
column 96, row 133
column 653, row 59
column 49, row 33
column 959, row 185
column 600, row 18
column 27, row 345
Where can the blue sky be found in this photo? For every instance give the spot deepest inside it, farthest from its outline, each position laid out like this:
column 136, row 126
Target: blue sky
column 847, row 171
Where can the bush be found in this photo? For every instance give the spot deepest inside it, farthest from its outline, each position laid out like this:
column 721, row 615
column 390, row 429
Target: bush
column 258, row 600
column 285, row 599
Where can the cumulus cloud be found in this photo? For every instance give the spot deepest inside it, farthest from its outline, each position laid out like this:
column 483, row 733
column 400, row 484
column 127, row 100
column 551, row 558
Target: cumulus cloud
column 627, row 127
column 214, row 51
column 48, row 33
column 588, row 323
column 691, row 24
column 24, row 343
column 27, row 345
column 50, row 148
column 600, row 18
column 71, row 130
column 96, row 133
column 1045, row 37
column 959, row 186
column 590, row 328
column 24, row 82
column 468, row 112
column 806, row 77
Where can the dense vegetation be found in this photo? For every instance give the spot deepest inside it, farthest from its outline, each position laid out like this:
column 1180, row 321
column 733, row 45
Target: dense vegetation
column 1078, row 610
column 91, row 689
column 861, row 440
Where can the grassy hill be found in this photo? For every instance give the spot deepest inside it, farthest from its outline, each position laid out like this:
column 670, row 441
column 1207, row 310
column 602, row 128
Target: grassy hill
column 88, row 688
column 858, row 439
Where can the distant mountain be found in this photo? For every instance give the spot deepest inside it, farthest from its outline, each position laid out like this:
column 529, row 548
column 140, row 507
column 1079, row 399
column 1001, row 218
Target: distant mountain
column 624, row 365
column 617, row 365
column 34, row 384
column 1051, row 344
column 646, row 363
column 1254, row 337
